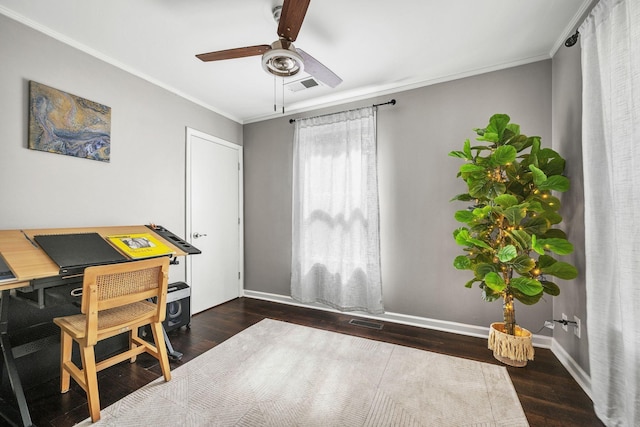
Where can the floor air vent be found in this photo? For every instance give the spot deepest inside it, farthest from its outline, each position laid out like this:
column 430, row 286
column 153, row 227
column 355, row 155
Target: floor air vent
column 366, row 324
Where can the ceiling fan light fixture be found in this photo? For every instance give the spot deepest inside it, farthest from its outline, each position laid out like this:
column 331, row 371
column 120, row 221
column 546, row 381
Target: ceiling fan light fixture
column 282, row 60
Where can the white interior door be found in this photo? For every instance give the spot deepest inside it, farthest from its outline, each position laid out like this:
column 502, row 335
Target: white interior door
column 214, row 220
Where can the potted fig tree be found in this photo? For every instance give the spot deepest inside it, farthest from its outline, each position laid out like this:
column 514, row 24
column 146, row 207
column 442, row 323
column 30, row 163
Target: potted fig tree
column 510, row 236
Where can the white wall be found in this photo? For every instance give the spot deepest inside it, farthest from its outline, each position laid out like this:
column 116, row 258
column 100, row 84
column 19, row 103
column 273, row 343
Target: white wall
column 145, row 180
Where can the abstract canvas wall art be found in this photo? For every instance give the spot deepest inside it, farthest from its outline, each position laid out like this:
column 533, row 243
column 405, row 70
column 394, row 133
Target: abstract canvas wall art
column 67, row 124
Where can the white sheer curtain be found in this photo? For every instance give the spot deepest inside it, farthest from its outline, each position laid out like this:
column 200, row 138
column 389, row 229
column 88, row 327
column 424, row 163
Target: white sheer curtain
column 336, row 243
column 610, row 40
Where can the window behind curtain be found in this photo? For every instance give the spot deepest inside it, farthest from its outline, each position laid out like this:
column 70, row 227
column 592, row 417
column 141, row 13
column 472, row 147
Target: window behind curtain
column 336, row 239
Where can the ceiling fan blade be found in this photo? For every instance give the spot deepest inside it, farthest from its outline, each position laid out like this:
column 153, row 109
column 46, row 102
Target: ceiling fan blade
column 291, row 18
column 315, row 68
column 239, row 52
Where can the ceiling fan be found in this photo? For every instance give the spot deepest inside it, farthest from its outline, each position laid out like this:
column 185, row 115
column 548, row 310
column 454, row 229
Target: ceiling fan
column 281, row 58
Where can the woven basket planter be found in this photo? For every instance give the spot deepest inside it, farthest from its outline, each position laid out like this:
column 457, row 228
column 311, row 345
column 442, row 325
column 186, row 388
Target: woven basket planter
column 512, row 350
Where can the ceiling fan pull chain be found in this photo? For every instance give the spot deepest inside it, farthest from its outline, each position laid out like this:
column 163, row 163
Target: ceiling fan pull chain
column 283, row 96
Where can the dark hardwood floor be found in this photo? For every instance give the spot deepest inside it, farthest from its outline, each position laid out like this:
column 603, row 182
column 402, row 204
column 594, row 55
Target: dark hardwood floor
column 549, row 395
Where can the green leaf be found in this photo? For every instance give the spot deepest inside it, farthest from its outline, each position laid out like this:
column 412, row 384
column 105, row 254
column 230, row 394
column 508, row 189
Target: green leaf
column 515, row 214
column 506, row 200
column 477, row 188
column 535, row 206
column 471, row 168
column 498, row 123
column 507, row 253
column 507, row 136
column 555, row 182
column 561, row 270
column 467, row 149
column 496, row 189
column 514, row 128
column 555, row 233
column 526, row 299
column 489, row 136
column 549, row 202
column 538, row 176
column 458, row 154
column 488, row 294
column 545, row 261
column 552, row 218
column 536, row 246
column 469, row 284
column 495, row 282
column 526, row 285
column 550, row 288
column 464, row 239
column 465, row 154
column 520, row 142
column 478, row 243
column 523, row 264
column 461, row 262
column 464, row 216
column 555, row 167
column 522, row 238
column 482, row 269
column 461, row 235
column 465, row 197
column 482, row 212
column 504, row 155
column 544, row 154
column 535, row 148
column 537, row 225
column 557, row 246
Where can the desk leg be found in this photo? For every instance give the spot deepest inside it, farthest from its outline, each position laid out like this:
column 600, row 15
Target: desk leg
column 173, row 354
column 10, row 364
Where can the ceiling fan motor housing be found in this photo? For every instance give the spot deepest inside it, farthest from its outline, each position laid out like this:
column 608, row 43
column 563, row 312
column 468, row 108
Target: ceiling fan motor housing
column 282, row 59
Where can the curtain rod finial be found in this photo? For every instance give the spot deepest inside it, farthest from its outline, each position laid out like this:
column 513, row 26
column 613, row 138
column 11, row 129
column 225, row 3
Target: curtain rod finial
column 572, row 40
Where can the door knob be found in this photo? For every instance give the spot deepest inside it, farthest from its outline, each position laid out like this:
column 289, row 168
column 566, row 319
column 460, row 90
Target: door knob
column 197, row 235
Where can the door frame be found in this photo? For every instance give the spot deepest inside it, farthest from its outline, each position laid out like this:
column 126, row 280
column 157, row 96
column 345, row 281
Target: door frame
column 189, row 232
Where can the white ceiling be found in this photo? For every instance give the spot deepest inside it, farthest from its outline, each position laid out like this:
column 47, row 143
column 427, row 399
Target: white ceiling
column 375, row 46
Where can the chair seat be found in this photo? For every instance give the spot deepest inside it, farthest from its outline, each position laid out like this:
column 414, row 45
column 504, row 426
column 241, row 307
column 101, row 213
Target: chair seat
column 107, row 319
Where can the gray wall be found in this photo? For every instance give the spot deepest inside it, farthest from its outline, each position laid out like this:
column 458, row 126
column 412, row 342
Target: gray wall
column 567, row 140
column 145, row 180
column 417, row 179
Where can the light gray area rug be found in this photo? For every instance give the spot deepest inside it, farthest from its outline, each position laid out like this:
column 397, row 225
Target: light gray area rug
column 279, row 374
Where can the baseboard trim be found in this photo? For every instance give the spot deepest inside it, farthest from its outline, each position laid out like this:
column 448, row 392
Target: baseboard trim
column 540, row 341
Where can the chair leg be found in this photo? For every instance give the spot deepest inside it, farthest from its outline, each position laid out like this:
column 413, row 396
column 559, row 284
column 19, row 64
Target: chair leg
column 65, row 357
column 91, row 381
column 161, row 346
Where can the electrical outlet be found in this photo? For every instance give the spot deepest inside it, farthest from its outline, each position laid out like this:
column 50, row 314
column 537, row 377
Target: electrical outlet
column 577, row 328
column 549, row 324
column 565, row 326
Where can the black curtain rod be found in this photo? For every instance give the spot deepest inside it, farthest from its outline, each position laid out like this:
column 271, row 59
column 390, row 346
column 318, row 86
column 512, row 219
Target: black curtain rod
column 392, row 102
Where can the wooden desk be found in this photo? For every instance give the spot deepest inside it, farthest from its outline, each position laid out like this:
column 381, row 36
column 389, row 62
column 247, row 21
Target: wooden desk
column 28, row 262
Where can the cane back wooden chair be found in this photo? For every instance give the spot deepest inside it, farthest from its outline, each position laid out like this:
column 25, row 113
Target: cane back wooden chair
column 116, row 298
